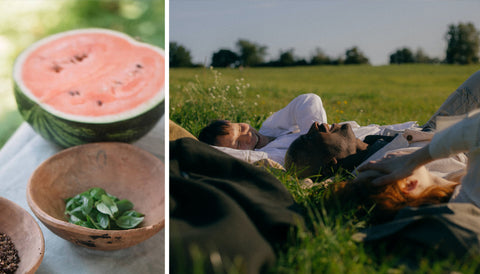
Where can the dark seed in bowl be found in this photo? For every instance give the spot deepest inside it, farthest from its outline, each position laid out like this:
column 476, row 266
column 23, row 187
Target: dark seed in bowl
column 9, row 259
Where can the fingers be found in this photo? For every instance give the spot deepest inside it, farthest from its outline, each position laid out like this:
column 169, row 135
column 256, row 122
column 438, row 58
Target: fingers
column 376, row 177
column 374, row 165
column 368, row 175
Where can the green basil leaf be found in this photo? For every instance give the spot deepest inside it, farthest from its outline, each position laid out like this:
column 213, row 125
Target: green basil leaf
column 70, row 204
column 103, row 208
column 87, row 204
column 103, row 220
column 97, row 192
column 114, row 198
column 110, row 203
column 77, row 212
column 124, row 205
column 74, row 219
column 133, row 213
column 128, row 222
column 92, row 222
column 81, row 223
column 97, row 209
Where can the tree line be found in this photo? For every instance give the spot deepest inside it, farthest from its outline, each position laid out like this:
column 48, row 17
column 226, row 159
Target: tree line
column 462, row 48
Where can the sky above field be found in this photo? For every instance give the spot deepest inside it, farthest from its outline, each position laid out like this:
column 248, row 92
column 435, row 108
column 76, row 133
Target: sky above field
column 377, row 27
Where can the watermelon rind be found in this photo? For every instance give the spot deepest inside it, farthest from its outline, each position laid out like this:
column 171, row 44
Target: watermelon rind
column 68, row 130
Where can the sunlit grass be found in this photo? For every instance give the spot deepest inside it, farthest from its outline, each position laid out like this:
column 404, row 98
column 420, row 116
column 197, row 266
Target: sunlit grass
column 382, row 95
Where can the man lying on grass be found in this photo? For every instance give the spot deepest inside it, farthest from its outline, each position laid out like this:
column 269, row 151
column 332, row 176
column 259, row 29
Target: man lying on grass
column 298, row 118
column 278, row 131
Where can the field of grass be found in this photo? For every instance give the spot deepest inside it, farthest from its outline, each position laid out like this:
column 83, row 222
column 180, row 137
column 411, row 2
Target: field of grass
column 381, row 95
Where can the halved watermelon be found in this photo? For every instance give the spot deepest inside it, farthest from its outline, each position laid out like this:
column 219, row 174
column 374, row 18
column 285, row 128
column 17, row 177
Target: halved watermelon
column 90, row 85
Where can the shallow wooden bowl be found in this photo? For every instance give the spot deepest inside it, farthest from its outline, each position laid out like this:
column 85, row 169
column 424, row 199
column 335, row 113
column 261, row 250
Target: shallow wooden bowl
column 25, row 234
column 123, row 170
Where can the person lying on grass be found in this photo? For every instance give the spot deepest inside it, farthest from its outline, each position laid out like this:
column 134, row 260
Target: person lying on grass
column 325, row 149
column 403, row 179
column 286, row 125
column 278, row 131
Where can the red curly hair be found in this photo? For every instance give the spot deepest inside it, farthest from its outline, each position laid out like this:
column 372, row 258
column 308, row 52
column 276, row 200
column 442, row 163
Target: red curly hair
column 388, row 199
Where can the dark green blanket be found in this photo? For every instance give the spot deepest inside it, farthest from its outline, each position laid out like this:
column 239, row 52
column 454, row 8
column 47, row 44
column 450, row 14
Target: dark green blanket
column 445, row 229
column 225, row 208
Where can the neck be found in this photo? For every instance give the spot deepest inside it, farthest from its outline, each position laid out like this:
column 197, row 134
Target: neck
column 264, row 140
column 439, row 181
column 361, row 145
column 363, row 152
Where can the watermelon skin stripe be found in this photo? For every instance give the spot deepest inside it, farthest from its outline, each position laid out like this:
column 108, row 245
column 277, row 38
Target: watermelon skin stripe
column 66, row 133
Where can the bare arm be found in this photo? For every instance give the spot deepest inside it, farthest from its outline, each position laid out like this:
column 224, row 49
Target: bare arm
column 461, row 137
column 396, row 167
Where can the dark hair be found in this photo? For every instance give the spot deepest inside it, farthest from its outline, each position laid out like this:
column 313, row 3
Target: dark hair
column 216, row 128
column 303, row 162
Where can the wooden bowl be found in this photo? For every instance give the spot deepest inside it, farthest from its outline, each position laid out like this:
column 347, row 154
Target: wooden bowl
column 123, row 170
column 25, row 234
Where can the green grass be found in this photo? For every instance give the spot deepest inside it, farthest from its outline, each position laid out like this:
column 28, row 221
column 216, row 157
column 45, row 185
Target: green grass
column 381, row 95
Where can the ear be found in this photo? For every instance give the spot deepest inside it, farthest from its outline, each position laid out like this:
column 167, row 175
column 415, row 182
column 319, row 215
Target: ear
column 408, row 185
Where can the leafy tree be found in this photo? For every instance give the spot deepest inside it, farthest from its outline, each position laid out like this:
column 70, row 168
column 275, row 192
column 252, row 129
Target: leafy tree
column 355, row 56
column 179, row 56
column 422, row 57
column 251, row 54
column 462, row 44
column 224, row 58
column 320, row 58
column 286, row 58
column 402, row 56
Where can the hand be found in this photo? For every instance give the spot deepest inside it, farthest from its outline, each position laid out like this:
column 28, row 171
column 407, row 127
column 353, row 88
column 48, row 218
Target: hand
column 367, row 176
column 392, row 168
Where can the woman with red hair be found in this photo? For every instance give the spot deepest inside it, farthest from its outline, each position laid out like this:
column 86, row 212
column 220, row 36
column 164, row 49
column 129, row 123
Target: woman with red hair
column 397, row 181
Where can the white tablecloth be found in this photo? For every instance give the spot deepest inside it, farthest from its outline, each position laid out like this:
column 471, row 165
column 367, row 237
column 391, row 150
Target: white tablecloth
column 21, row 155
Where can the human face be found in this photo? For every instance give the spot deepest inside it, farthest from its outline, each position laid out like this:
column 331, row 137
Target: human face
column 240, row 136
column 322, row 147
column 420, row 180
column 331, row 142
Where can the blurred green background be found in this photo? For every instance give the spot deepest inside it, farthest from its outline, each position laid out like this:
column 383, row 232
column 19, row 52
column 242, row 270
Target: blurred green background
column 26, row 21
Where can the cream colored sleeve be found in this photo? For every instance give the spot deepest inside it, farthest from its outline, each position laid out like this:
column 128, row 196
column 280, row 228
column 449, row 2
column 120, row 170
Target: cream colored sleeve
column 463, row 136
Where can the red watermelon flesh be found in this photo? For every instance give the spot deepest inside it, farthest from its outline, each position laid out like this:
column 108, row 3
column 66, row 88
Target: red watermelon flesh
column 95, row 74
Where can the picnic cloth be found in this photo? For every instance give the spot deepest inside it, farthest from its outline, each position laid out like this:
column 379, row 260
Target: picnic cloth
column 21, row 155
column 451, row 228
column 226, row 208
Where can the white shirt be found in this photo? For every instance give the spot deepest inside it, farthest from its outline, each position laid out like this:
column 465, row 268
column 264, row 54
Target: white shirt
column 294, row 120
